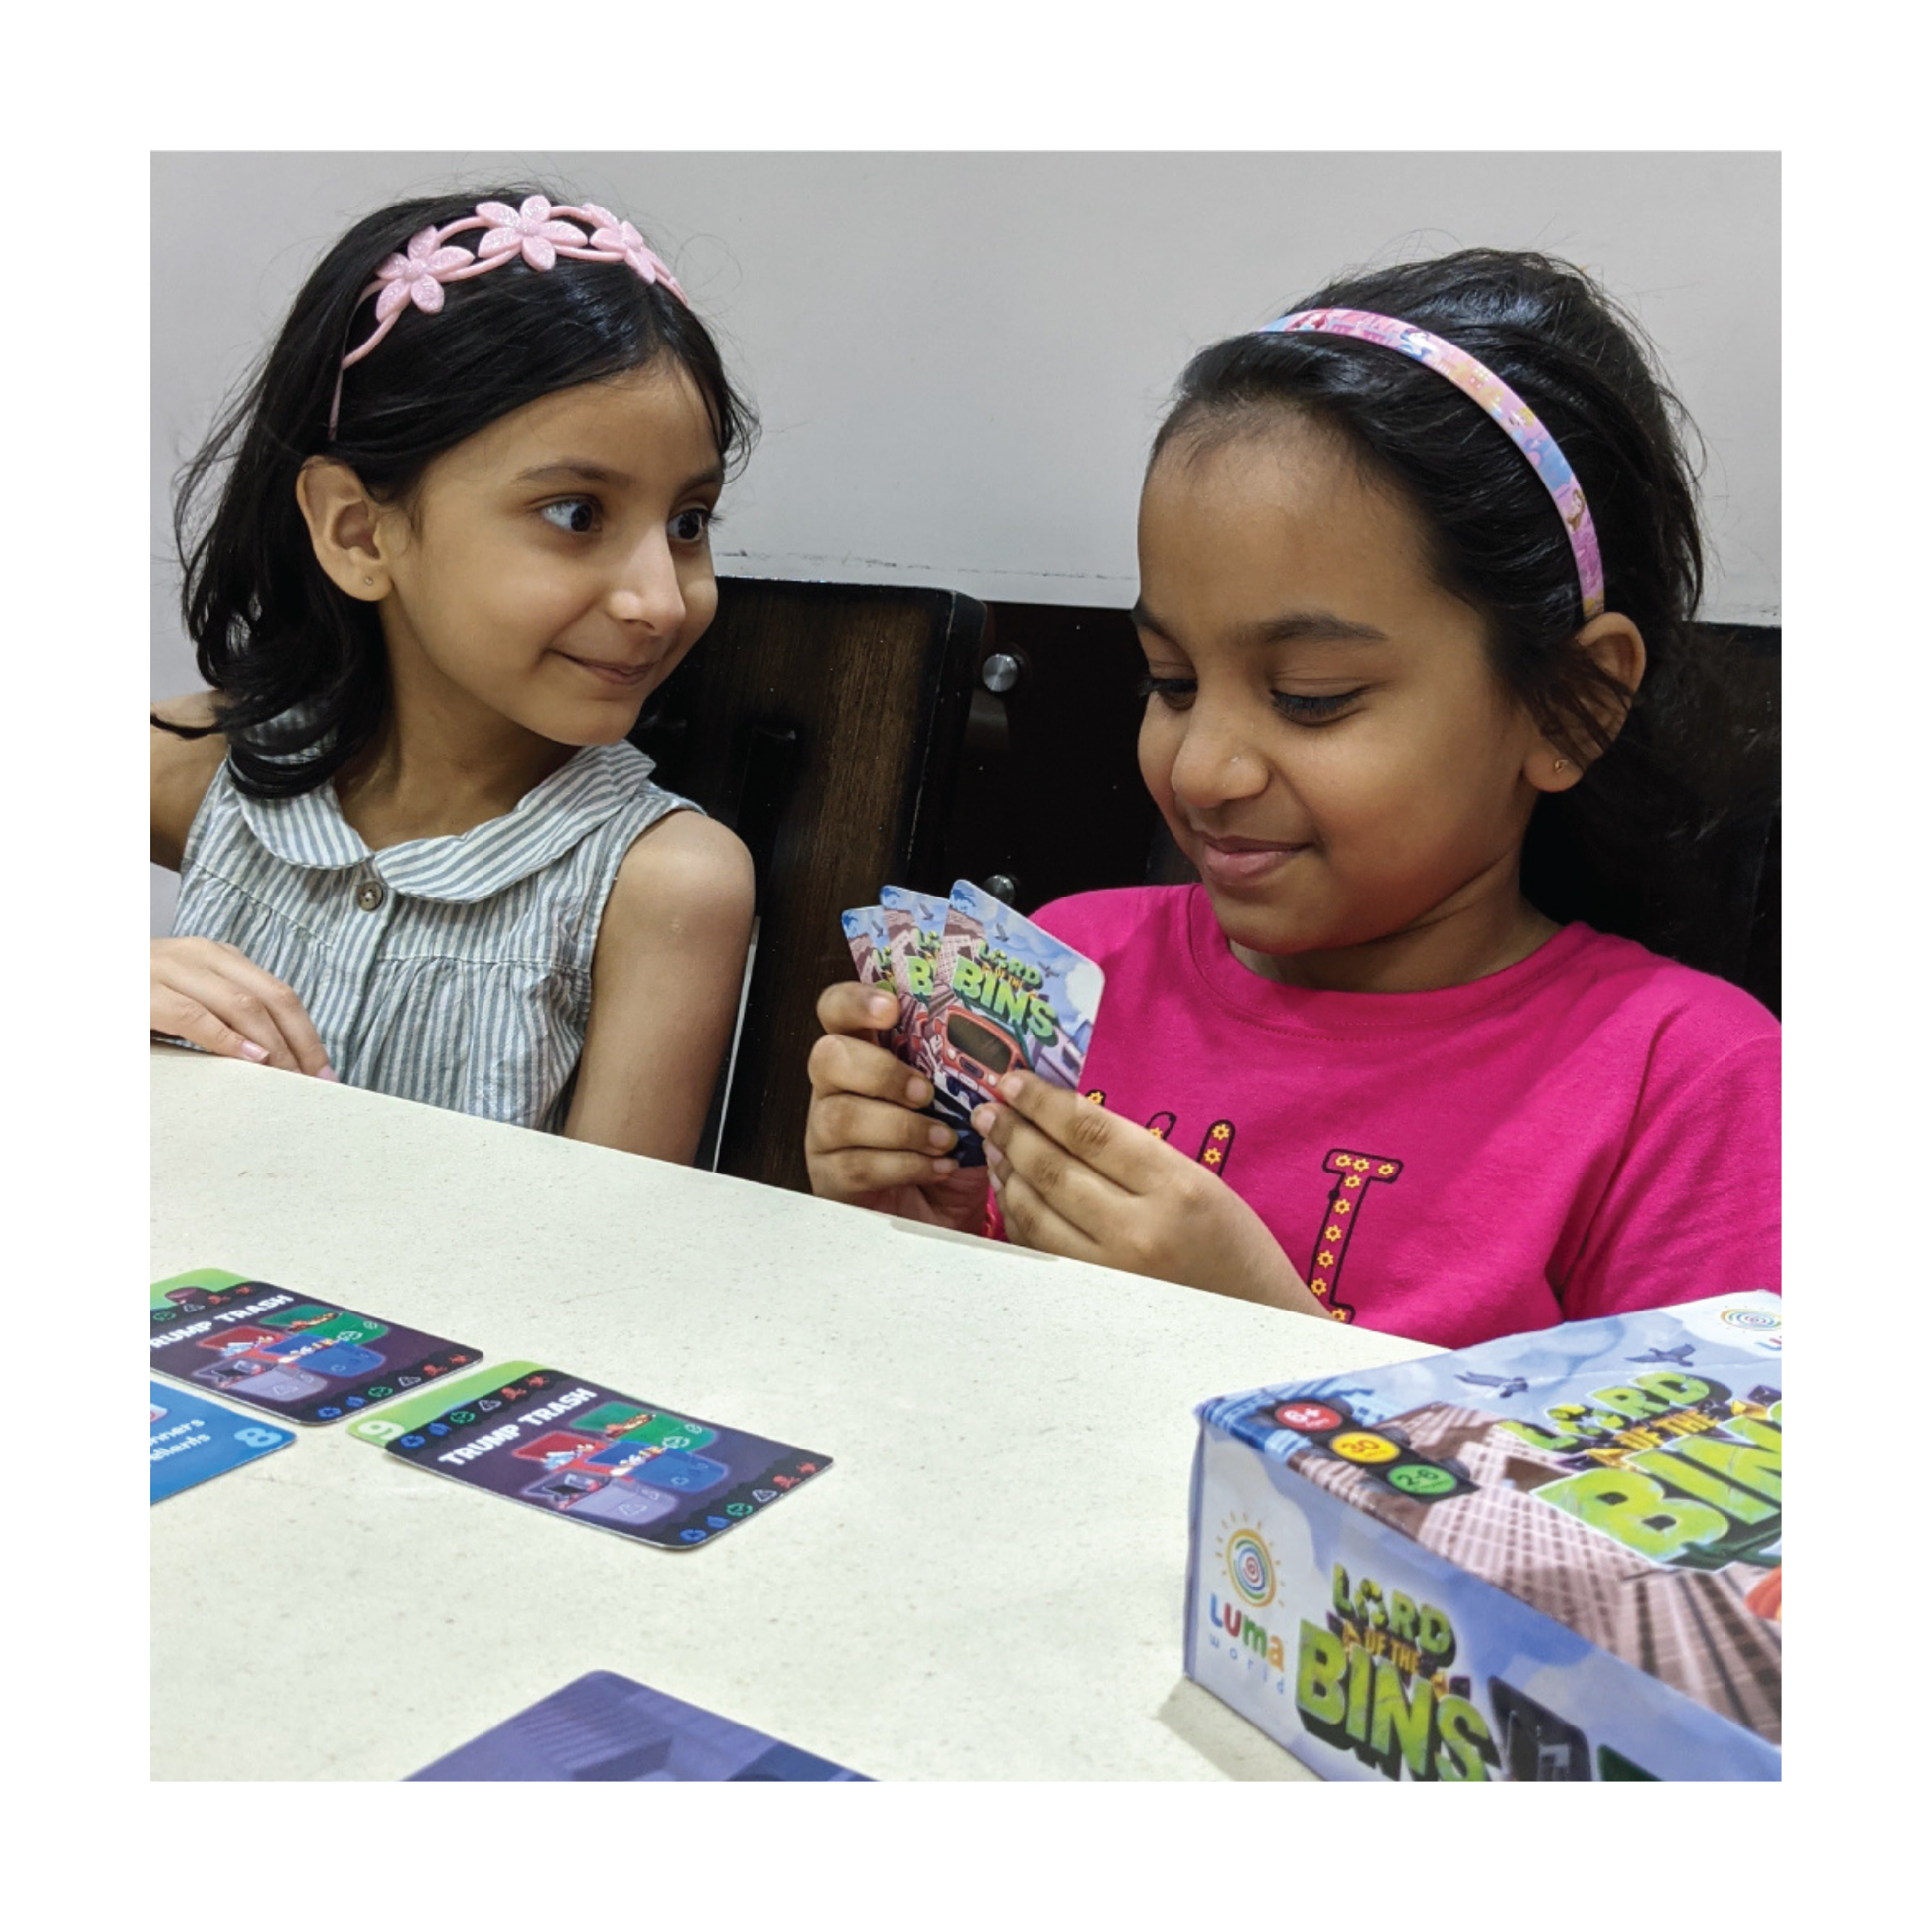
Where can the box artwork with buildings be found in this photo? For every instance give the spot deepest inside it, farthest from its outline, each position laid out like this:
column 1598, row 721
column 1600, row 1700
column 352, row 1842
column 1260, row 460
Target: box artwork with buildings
column 1554, row 1556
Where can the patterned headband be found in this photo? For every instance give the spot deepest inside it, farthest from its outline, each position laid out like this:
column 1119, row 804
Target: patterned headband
column 1519, row 422
column 535, row 233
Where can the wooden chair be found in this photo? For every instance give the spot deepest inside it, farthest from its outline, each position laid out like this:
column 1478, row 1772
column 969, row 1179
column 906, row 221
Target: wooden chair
column 823, row 723
column 849, row 735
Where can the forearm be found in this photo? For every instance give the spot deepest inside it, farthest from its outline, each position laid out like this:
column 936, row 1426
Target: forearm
column 662, row 1125
column 644, row 1090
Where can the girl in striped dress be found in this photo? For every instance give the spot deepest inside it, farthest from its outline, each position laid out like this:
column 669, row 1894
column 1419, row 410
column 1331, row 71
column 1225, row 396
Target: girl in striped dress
column 456, row 533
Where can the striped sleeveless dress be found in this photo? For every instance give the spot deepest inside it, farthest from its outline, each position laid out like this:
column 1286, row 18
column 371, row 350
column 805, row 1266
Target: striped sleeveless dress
column 455, row 970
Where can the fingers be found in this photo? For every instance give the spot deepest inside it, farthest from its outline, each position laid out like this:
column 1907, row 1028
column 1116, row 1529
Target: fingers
column 216, row 998
column 864, row 1134
column 172, row 1009
column 857, row 1174
column 1052, row 1182
column 210, row 1009
column 1031, row 1218
column 861, row 1011
column 1124, row 1154
column 856, row 1147
column 850, row 1120
column 262, row 993
column 841, row 1064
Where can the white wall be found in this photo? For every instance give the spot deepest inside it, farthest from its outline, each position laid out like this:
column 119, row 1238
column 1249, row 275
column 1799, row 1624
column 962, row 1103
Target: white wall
column 959, row 358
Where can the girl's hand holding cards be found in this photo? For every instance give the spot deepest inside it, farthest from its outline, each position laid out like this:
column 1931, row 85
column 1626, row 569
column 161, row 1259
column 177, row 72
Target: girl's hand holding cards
column 950, row 995
column 1073, row 1179
column 865, row 1141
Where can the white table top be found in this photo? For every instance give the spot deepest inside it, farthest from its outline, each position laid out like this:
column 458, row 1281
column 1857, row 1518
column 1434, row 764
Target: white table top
column 987, row 1583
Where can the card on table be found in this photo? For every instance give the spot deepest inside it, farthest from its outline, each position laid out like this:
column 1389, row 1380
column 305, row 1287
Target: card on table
column 606, row 1729
column 556, row 1442
column 191, row 1438
column 285, row 1352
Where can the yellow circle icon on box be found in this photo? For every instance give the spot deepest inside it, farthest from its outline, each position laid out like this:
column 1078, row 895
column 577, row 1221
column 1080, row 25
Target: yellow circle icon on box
column 1359, row 1445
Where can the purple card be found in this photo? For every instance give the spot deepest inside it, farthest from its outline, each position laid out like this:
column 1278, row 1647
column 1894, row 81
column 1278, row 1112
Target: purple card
column 557, row 1443
column 280, row 1351
column 608, row 1729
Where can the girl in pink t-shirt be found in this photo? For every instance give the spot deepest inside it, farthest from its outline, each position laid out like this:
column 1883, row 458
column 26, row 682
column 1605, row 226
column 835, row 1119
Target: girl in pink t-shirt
column 1418, row 568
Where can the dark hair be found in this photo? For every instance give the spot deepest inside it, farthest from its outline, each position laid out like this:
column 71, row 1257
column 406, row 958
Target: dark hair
column 1615, row 843
column 300, row 668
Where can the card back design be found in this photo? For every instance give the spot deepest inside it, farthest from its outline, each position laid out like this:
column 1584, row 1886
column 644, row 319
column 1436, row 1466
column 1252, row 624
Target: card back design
column 286, row 1353
column 192, row 1440
column 557, row 1443
column 605, row 1729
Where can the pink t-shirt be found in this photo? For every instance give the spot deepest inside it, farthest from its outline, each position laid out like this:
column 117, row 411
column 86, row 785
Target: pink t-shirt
column 1590, row 1130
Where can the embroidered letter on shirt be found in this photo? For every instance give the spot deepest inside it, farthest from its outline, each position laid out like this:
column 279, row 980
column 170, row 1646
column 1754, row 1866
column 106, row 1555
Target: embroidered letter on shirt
column 1353, row 1171
column 1216, row 1144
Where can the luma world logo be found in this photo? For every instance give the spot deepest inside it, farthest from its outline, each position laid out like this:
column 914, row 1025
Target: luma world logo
column 1249, row 1566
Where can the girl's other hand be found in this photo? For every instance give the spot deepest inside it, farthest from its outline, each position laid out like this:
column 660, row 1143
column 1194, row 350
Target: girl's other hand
column 1073, row 1179
column 865, row 1141
column 215, row 997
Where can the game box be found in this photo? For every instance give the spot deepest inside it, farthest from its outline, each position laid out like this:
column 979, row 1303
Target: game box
column 1554, row 1556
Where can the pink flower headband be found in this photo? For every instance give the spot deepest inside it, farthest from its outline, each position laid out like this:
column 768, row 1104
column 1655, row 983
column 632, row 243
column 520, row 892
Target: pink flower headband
column 535, row 233
column 1518, row 420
